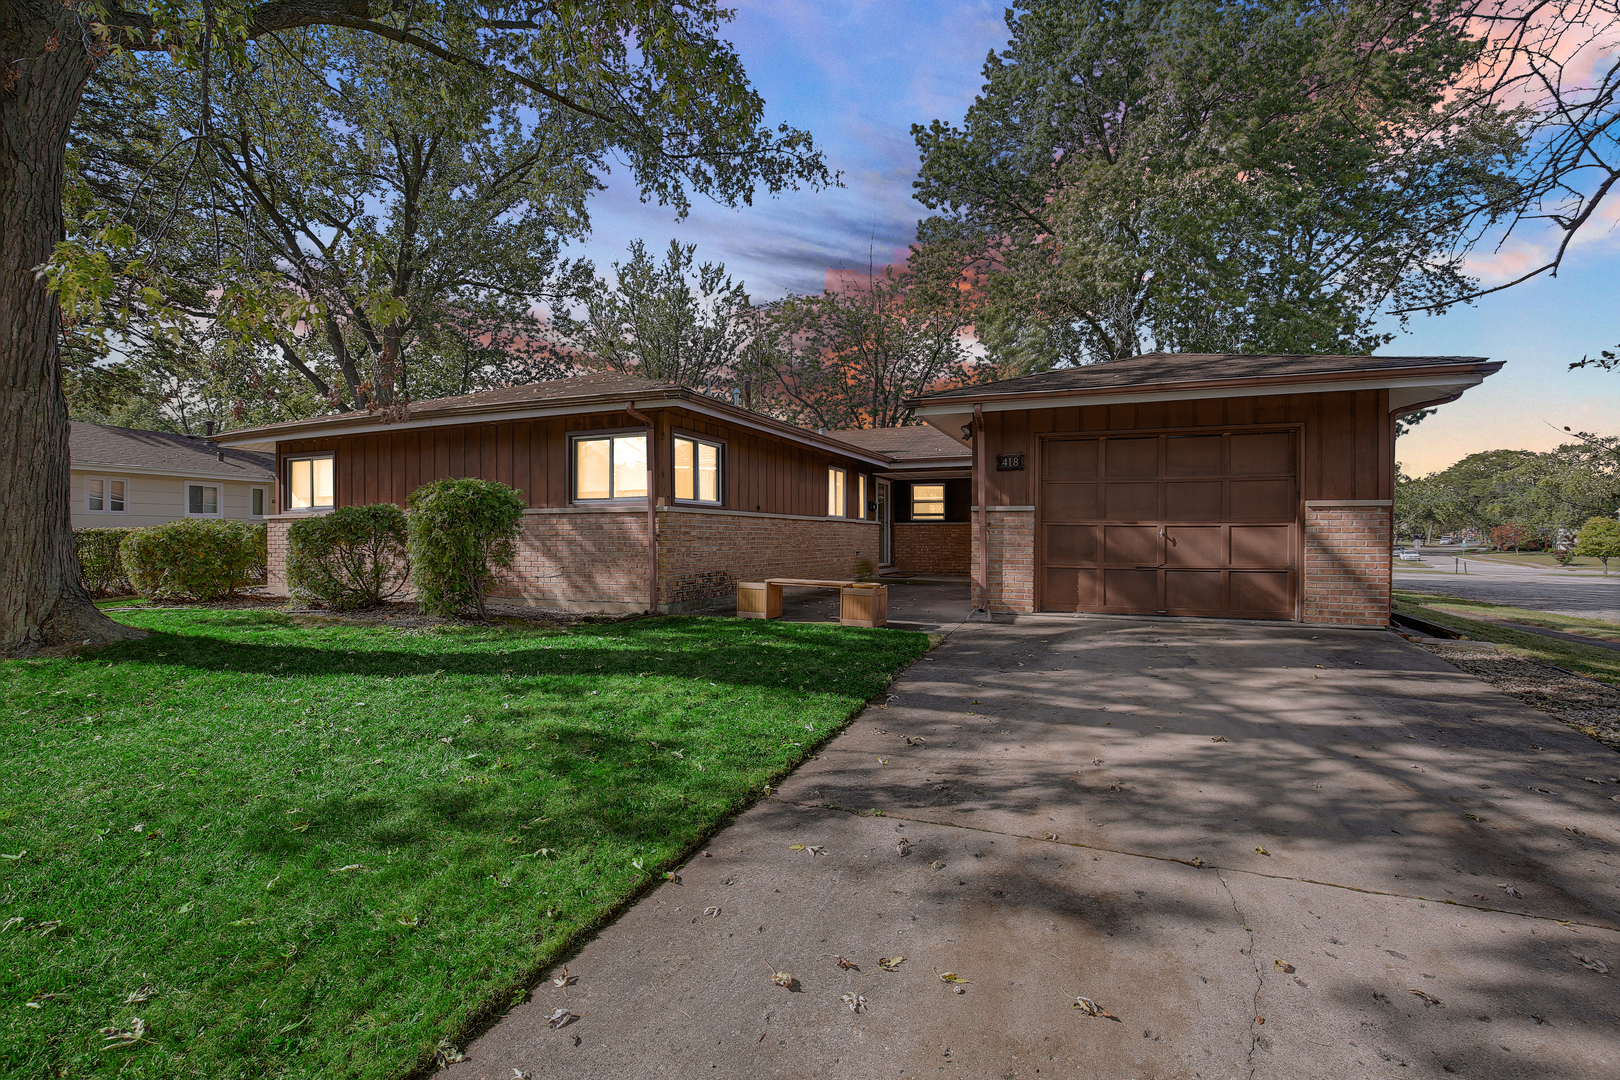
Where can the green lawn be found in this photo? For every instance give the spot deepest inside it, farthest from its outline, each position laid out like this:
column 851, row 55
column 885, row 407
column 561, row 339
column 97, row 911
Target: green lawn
column 317, row 850
column 1541, row 558
column 1593, row 660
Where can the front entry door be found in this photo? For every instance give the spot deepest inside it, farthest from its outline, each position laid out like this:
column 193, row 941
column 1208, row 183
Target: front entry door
column 884, row 518
column 1170, row 524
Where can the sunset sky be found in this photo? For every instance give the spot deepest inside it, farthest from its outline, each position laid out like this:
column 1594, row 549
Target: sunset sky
column 858, row 74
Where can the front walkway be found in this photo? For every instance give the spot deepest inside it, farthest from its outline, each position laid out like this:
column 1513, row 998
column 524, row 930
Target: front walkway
column 1268, row 851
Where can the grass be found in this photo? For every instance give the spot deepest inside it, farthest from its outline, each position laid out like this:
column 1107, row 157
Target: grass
column 1593, row 660
column 1539, row 558
column 319, row 850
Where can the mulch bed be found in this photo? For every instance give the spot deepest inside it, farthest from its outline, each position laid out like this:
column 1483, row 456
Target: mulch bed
column 1587, row 705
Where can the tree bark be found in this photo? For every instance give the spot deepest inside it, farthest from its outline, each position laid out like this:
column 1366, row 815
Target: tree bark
column 42, row 600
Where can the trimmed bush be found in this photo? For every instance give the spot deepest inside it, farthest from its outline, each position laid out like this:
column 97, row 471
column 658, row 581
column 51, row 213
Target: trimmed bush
column 194, row 560
column 101, row 562
column 352, row 558
column 459, row 530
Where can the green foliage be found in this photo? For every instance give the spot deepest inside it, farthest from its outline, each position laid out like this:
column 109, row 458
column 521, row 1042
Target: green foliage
column 1547, row 494
column 1599, row 538
column 101, row 561
column 190, row 559
column 460, row 530
column 353, row 557
column 302, row 838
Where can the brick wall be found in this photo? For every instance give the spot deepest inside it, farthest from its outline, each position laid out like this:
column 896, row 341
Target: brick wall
column 942, row 547
column 275, row 535
column 1347, row 560
column 1012, row 560
column 703, row 554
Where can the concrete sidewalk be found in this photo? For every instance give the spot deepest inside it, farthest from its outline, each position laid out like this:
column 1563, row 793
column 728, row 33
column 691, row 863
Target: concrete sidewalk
column 1268, row 851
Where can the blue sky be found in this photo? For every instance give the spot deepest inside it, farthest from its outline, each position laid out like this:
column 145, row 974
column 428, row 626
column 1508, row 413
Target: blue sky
column 858, row 74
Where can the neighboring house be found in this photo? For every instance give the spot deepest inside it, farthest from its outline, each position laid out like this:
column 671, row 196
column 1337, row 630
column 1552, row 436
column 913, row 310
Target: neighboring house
column 1194, row 484
column 125, row 477
column 735, row 495
column 923, row 499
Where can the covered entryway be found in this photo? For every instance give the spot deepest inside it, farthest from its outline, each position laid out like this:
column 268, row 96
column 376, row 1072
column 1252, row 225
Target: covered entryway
column 1180, row 523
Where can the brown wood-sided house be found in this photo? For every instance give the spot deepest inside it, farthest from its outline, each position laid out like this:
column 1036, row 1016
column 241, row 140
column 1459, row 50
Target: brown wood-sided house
column 1193, row 484
column 733, row 495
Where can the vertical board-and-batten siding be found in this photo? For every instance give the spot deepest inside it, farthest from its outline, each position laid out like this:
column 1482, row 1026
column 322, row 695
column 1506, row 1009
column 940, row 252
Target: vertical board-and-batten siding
column 761, row 472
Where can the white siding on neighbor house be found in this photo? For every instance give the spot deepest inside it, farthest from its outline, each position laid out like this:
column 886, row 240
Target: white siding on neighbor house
column 152, row 500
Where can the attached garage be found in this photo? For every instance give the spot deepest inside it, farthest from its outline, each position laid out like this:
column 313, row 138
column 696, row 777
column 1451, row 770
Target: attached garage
column 1257, row 487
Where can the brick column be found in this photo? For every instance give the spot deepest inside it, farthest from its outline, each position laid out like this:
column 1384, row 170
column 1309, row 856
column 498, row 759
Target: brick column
column 275, row 537
column 1347, row 563
column 1012, row 559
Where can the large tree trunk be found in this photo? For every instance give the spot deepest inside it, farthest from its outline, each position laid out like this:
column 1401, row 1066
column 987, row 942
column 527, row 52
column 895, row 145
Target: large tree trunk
column 42, row 601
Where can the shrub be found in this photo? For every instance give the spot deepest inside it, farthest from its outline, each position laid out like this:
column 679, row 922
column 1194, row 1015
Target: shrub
column 352, row 558
column 459, row 530
column 196, row 560
column 101, row 563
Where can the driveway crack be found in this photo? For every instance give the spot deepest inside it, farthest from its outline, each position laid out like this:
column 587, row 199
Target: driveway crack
column 1259, row 976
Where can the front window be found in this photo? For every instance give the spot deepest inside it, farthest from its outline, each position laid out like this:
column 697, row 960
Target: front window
column 697, row 470
column 202, row 500
column 928, row 502
column 836, row 481
column 610, row 467
column 860, row 503
column 309, row 483
column 104, row 495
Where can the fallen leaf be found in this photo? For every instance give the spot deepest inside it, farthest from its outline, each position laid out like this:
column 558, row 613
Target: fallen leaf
column 345, row 869
column 1262, row 851
column 815, row 849
column 1428, row 998
column 936, row 865
column 1591, row 963
column 952, row 977
column 116, row 1037
column 1287, row 968
column 1091, row 1008
column 556, row 1018
column 135, row 997
column 1217, row 738
column 564, row 979
column 1510, row 890
column 847, row 964
column 1051, row 836
column 795, row 847
column 855, row 1002
column 14, row 858
column 672, row 877
column 1096, row 761
column 1195, row 862
column 883, row 761
column 903, row 846
column 783, row 979
column 711, row 912
column 185, row 907
column 891, row 963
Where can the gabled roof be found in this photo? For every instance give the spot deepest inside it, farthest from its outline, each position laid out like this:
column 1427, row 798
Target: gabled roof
column 917, row 442
column 99, row 446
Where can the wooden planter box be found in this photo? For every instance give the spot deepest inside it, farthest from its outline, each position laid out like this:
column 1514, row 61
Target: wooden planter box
column 863, row 605
column 860, row 604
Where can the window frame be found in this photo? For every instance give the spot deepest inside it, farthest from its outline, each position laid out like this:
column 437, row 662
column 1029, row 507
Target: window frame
column 838, row 480
column 860, row 502
column 576, row 437
column 286, row 481
column 942, row 500
column 106, row 495
column 264, row 492
column 720, row 445
column 219, row 497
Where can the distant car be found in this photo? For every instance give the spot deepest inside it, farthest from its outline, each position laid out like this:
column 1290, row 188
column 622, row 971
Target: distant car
column 1409, row 556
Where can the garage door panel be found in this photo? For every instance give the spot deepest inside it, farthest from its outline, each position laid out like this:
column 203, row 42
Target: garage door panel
column 1131, row 502
column 1131, row 590
column 1072, row 545
column 1132, row 457
column 1262, row 545
column 1192, row 591
column 1071, row 502
column 1193, row 455
column 1263, row 452
column 1060, row 588
column 1262, row 592
column 1069, row 459
column 1195, row 545
column 1262, row 500
column 1137, row 545
column 1194, row 500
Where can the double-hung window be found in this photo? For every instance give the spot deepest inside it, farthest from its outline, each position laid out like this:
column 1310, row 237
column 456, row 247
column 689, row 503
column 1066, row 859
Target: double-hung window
column 697, row 470
column 256, row 502
column 609, row 467
column 309, row 482
column 202, row 500
column 837, row 485
column 104, row 495
column 928, row 502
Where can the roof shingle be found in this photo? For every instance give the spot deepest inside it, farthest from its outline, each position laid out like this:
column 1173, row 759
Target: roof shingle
column 102, row 446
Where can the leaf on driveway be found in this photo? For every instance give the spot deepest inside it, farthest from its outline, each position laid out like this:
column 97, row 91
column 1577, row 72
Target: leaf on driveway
column 855, row 1002
column 783, row 979
column 1591, row 963
column 1195, row 863
column 815, row 849
column 1510, row 890
column 952, row 977
column 711, row 912
column 1287, row 968
column 936, row 865
column 564, row 979
column 795, row 847
column 1217, row 738
column 891, row 963
column 1091, row 1008
column 1262, row 851
column 1428, row 998
column 903, row 846
column 558, row 1018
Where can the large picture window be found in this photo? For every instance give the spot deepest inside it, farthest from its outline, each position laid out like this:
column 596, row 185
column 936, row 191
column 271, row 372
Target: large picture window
column 610, row 467
column 837, row 485
column 697, row 470
column 928, row 502
column 309, row 483
column 104, row 495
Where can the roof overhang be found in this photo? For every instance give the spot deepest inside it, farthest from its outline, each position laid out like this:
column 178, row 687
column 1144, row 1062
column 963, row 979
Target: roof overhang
column 1408, row 391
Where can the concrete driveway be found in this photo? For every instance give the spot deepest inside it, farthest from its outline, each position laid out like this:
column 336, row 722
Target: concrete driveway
column 1267, row 851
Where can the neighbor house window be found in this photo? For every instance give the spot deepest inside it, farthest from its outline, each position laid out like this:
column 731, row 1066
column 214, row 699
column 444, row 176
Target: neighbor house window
column 104, row 495
column 928, row 502
column 837, row 479
column 309, row 483
column 202, row 500
column 610, row 467
column 256, row 502
column 697, row 470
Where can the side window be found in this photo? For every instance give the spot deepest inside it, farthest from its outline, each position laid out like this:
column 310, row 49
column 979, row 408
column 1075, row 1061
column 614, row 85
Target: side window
column 697, row 470
column 610, row 467
column 928, row 502
column 837, row 479
column 202, row 500
column 256, row 502
column 309, row 483
column 104, row 495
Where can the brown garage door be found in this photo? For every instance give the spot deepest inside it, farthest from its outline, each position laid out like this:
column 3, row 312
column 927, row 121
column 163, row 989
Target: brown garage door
column 1169, row 524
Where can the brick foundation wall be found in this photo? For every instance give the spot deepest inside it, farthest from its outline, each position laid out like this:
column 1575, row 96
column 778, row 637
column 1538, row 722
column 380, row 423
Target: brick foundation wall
column 942, row 547
column 1012, row 560
column 1347, row 565
column 703, row 554
column 578, row 559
